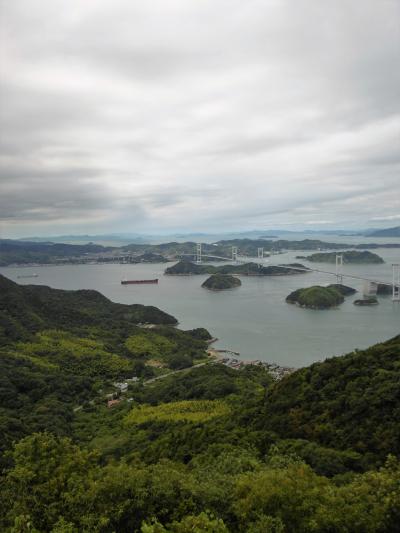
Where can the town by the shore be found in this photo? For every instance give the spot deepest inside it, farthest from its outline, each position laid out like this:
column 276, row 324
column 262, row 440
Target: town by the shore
column 232, row 360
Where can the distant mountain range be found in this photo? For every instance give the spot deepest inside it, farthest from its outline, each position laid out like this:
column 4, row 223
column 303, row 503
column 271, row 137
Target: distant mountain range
column 388, row 232
column 114, row 238
column 119, row 239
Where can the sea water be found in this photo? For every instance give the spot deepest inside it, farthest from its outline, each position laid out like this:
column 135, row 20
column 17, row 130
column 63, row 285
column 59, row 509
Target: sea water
column 253, row 319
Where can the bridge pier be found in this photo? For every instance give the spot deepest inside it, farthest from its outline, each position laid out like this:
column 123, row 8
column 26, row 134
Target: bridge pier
column 396, row 282
column 370, row 289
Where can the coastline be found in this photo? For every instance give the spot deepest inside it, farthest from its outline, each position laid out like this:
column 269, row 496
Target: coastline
column 230, row 358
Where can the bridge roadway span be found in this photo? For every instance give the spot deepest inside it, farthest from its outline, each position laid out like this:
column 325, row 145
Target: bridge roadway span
column 242, row 259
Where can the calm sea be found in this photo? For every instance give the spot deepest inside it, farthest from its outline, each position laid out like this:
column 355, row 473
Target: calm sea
column 252, row 319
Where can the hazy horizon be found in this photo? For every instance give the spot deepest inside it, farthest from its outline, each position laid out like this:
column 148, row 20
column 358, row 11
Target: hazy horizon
column 253, row 233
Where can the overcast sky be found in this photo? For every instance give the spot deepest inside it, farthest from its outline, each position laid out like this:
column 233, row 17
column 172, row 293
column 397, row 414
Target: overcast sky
column 209, row 115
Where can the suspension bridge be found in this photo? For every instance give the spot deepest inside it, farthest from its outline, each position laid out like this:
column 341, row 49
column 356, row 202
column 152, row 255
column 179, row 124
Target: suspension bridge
column 370, row 285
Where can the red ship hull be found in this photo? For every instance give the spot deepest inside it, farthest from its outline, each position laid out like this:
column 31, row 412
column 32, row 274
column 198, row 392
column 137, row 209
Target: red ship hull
column 138, row 281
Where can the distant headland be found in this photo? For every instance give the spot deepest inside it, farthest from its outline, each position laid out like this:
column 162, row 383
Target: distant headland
column 352, row 256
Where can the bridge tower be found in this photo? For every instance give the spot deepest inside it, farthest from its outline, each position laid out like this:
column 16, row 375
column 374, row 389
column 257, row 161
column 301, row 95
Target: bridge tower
column 198, row 252
column 234, row 253
column 260, row 254
column 339, row 268
column 396, row 282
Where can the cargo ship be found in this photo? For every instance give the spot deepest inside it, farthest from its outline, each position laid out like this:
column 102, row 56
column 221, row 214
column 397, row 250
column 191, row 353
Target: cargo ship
column 137, row 281
column 28, row 276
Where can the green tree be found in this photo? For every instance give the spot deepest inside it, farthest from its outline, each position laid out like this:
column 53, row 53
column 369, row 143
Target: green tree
column 202, row 523
column 48, row 475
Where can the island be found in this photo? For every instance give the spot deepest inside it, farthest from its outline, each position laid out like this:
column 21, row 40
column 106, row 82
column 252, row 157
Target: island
column 366, row 301
column 343, row 289
column 187, row 268
column 383, row 289
column 316, row 297
column 221, row 282
column 255, row 269
column 352, row 256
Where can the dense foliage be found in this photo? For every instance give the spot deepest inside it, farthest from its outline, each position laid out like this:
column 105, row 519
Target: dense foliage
column 220, row 282
column 350, row 402
column 59, row 348
column 203, row 449
column 27, row 309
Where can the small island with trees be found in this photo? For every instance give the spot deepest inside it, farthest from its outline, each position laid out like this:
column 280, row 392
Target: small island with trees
column 316, row 297
column 221, row 282
column 366, row 302
column 349, row 257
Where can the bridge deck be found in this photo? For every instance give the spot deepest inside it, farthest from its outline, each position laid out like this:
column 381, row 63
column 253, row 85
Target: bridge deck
column 244, row 260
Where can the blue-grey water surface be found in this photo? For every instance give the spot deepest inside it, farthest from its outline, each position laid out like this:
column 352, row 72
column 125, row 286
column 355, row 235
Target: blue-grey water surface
column 253, row 319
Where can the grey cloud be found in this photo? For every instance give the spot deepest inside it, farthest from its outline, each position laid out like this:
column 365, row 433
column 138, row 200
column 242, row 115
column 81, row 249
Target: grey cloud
column 210, row 112
column 64, row 198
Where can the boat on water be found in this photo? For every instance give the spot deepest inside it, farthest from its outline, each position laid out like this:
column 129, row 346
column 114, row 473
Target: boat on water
column 138, row 281
column 28, row 276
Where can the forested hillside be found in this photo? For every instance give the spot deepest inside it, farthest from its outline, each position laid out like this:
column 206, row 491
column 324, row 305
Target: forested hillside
column 349, row 403
column 58, row 348
column 27, row 309
column 204, row 449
